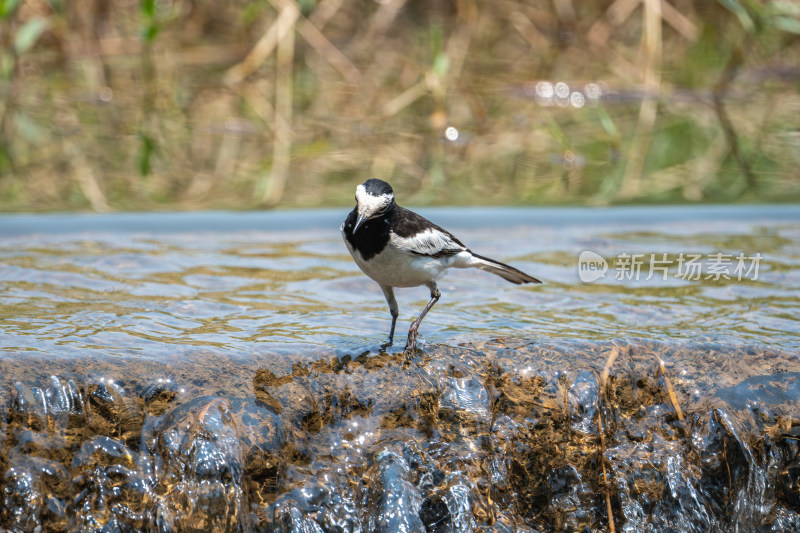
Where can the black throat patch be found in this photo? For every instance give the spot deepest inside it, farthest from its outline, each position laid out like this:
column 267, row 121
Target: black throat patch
column 372, row 236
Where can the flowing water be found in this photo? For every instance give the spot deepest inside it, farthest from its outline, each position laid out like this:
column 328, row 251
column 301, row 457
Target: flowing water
column 223, row 371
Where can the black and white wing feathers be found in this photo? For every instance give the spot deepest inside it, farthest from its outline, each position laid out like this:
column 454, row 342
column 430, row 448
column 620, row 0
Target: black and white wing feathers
column 418, row 235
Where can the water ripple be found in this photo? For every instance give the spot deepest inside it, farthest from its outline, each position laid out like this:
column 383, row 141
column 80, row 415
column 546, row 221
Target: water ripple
column 231, row 380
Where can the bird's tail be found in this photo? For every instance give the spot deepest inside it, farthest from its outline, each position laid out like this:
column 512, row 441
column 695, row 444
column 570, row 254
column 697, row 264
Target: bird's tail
column 504, row 271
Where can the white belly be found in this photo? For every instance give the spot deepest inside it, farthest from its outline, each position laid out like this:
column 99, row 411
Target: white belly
column 399, row 268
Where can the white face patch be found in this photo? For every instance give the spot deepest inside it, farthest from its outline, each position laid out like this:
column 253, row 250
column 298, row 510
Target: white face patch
column 369, row 205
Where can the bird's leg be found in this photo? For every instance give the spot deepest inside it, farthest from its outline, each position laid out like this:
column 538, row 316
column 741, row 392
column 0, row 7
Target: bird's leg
column 411, row 343
column 393, row 309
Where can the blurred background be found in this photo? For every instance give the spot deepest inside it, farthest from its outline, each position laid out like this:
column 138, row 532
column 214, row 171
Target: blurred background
column 181, row 104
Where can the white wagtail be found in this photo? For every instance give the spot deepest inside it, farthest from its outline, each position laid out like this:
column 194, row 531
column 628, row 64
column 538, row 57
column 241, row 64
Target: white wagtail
column 399, row 248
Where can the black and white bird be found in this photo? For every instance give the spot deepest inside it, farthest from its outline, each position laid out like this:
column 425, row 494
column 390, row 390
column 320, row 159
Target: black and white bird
column 399, row 248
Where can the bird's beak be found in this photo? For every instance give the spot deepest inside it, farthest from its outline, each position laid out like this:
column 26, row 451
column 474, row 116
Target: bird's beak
column 361, row 219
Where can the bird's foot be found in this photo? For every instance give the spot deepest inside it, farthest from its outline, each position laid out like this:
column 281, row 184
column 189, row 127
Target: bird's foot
column 411, row 343
column 388, row 343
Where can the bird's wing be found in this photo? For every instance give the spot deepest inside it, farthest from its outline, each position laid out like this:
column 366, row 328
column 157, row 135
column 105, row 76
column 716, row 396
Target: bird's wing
column 418, row 235
column 433, row 242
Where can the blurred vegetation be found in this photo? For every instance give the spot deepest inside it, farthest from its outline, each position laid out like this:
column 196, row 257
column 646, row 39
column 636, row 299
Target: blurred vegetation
column 186, row 104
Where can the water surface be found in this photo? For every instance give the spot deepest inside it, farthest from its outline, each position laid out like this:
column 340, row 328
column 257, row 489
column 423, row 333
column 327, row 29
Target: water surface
column 223, row 371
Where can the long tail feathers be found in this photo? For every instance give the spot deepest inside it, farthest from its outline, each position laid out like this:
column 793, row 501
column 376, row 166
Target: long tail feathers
column 506, row 272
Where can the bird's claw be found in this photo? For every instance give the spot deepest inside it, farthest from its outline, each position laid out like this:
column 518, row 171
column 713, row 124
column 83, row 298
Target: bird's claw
column 388, row 343
column 411, row 343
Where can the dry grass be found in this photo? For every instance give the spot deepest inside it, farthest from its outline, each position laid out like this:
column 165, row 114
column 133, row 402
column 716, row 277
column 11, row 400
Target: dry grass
column 179, row 104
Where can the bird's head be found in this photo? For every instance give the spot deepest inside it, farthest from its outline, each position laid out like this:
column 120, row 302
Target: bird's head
column 373, row 198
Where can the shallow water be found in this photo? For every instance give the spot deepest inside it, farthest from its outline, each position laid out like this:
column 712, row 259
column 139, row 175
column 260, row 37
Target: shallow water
column 223, row 371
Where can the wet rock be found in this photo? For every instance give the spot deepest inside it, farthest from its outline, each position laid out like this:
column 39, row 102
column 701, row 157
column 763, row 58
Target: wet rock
column 734, row 475
column 113, row 491
column 394, row 502
column 55, row 405
column 789, row 486
column 387, row 444
column 571, row 507
column 114, row 410
column 263, row 383
column 261, row 439
column 583, row 402
column 435, row 515
column 770, row 389
column 22, row 500
column 338, row 405
column 657, row 488
column 29, row 407
column 291, row 399
column 199, row 469
column 159, row 395
column 315, row 508
column 3, row 436
column 44, row 423
column 465, row 398
column 102, row 451
column 505, row 523
column 36, row 494
column 288, row 517
column 784, row 520
column 458, row 499
column 64, row 397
